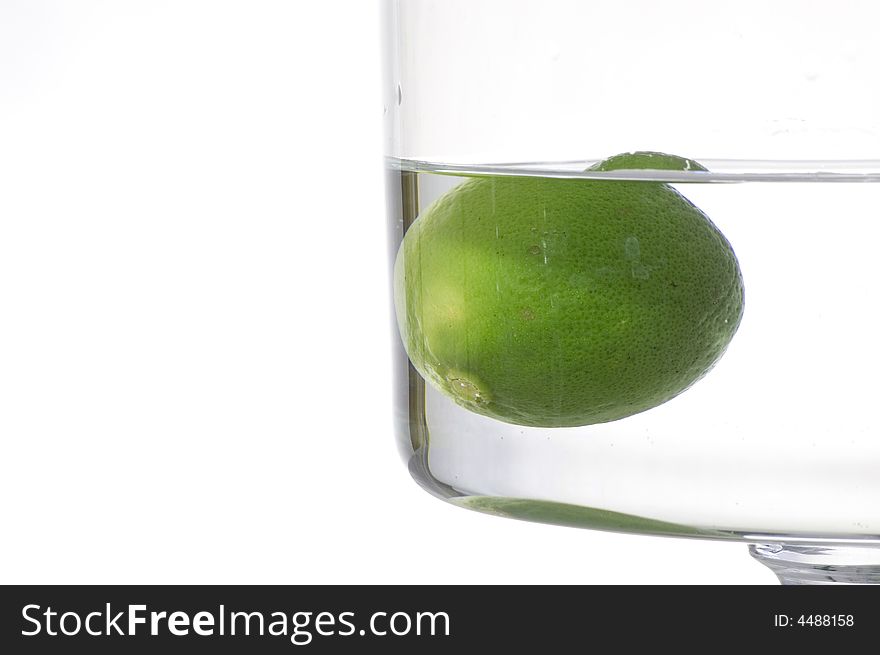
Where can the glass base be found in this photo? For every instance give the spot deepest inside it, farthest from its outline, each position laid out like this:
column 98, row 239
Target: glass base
column 820, row 564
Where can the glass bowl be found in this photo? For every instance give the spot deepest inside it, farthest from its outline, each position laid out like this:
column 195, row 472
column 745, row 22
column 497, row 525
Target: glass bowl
column 679, row 342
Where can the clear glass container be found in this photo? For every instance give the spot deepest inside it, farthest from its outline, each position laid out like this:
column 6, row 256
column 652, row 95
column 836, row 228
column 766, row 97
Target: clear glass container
column 680, row 343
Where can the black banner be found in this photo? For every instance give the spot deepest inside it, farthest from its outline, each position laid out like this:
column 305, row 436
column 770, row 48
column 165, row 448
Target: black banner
column 404, row 619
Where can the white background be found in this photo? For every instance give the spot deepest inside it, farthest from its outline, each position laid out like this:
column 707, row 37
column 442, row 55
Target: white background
column 194, row 317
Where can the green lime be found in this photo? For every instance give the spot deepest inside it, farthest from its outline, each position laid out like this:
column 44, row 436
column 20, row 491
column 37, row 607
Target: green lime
column 655, row 161
column 563, row 302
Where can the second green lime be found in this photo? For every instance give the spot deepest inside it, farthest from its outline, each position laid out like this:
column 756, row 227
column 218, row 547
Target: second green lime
column 566, row 302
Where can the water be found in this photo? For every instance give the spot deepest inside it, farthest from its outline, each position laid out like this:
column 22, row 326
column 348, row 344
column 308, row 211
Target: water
column 780, row 438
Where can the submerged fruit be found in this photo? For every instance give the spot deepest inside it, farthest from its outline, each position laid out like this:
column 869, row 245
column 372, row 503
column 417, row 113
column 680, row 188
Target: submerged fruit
column 565, row 302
